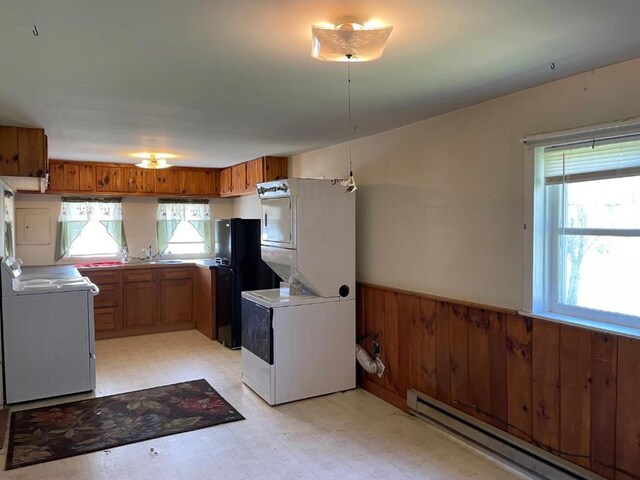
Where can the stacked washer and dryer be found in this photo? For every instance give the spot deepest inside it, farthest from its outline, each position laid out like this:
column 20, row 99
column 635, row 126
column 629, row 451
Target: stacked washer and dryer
column 299, row 341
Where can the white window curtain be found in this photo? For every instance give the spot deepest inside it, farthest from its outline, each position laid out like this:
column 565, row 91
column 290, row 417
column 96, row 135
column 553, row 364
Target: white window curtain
column 75, row 213
column 172, row 211
column 8, row 223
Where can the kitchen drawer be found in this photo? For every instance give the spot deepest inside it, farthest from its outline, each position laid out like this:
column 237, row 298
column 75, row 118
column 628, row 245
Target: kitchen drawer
column 106, row 319
column 109, row 295
column 101, row 277
column 141, row 275
column 174, row 273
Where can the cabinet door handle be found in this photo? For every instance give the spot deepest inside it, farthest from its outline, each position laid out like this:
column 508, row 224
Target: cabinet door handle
column 266, row 223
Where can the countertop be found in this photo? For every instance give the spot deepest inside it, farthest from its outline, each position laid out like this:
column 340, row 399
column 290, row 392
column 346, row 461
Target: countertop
column 209, row 263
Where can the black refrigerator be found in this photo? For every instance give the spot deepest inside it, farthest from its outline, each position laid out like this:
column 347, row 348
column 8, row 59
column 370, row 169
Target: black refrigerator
column 238, row 268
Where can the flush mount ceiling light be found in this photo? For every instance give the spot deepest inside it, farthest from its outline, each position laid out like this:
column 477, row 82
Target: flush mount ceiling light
column 153, row 161
column 348, row 42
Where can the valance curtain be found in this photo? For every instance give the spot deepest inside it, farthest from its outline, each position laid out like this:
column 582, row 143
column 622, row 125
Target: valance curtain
column 171, row 212
column 8, row 223
column 75, row 213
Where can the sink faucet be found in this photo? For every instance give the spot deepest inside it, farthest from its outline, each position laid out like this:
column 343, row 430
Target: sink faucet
column 147, row 253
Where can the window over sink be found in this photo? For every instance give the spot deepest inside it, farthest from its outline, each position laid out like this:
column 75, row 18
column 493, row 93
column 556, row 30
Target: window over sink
column 184, row 227
column 90, row 227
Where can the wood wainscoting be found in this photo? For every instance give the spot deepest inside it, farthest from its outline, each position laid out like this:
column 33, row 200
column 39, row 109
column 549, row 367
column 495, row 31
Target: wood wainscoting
column 569, row 390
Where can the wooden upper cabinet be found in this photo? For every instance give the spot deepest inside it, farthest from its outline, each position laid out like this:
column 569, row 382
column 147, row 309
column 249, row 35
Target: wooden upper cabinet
column 239, row 178
column 110, row 179
column 224, row 182
column 243, row 177
column 9, row 151
column 86, row 178
column 115, row 178
column 71, row 177
column 168, row 181
column 137, row 180
column 32, row 152
column 255, row 173
column 23, row 152
column 197, row 182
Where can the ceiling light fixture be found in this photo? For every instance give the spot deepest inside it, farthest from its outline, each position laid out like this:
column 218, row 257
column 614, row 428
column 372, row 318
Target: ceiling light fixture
column 349, row 42
column 153, row 161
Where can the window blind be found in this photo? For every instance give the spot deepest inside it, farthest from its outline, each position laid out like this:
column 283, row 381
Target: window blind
column 596, row 159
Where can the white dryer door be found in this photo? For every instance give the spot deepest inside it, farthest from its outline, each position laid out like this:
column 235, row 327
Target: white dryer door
column 278, row 222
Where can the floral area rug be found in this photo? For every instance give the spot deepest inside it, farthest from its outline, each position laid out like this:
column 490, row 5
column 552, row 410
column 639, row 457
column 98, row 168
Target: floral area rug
column 69, row 429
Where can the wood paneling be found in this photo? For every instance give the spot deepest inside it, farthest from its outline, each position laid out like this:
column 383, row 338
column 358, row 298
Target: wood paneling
column 519, row 376
column 443, row 360
column 569, row 390
column 604, row 366
column 627, row 450
column 479, row 364
column 546, row 385
column 409, row 353
column 459, row 356
column 498, row 365
column 575, row 394
column 428, row 381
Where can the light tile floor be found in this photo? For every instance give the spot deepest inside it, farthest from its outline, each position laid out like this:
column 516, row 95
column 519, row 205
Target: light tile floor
column 351, row 435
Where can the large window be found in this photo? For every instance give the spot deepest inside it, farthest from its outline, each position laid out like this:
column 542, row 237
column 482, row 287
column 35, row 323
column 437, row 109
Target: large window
column 589, row 230
column 184, row 227
column 90, row 228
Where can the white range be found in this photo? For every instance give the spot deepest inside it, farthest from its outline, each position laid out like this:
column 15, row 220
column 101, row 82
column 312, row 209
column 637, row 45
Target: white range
column 47, row 331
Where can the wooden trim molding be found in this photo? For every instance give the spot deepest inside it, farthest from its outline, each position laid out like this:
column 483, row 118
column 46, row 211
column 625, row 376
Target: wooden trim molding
column 440, row 299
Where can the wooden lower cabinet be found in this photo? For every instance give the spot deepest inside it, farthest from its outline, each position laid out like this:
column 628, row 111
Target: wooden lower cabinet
column 139, row 304
column 136, row 301
column 108, row 303
column 176, row 295
column 204, row 284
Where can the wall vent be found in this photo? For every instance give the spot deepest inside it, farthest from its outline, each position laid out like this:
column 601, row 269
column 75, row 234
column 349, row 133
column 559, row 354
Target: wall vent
column 534, row 460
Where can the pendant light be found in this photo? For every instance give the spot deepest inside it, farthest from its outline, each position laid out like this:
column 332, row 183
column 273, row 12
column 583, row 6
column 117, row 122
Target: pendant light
column 349, row 42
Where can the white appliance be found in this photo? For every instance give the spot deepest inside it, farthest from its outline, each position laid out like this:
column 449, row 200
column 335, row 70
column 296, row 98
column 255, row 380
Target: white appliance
column 47, row 331
column 297, row 347
column 301, row 346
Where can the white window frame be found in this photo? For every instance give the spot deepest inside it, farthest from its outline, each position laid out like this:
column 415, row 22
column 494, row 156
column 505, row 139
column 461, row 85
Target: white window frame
column 537, row 291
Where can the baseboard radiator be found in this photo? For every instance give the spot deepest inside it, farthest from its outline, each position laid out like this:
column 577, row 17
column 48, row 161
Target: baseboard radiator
column 527, row 457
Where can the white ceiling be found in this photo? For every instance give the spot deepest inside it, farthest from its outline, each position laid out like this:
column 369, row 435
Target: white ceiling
column 219, row 82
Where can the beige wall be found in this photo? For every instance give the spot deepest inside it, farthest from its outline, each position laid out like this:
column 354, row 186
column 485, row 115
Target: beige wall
column 440, row 202
column 246, row 207
column 139, row 215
